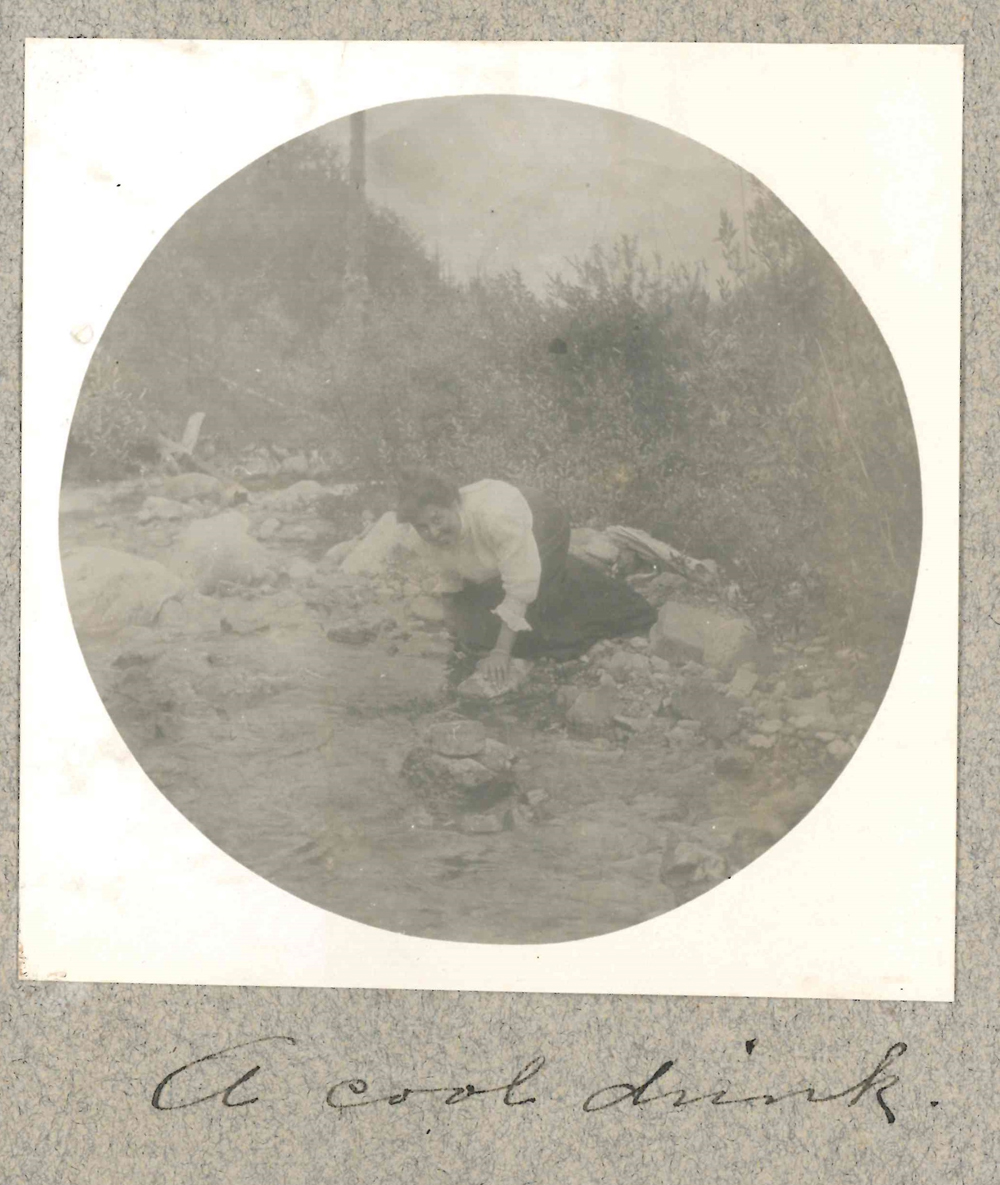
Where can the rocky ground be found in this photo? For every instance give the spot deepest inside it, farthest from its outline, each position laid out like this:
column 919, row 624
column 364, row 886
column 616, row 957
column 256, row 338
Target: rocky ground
column 278, row 662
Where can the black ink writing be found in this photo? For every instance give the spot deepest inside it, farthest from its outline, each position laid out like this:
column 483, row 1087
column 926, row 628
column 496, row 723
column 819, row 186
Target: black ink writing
column 339, row 1096
column 224, row 1092
column 876, row 1083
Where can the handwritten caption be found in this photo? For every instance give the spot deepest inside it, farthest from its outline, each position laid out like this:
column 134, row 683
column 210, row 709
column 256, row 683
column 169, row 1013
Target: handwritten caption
column 186, row 1086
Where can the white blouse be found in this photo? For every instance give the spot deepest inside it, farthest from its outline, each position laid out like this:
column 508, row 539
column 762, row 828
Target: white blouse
column 496, row 540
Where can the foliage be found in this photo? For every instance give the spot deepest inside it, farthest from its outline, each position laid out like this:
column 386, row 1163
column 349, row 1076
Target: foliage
column 763, row 425
column 115, row 427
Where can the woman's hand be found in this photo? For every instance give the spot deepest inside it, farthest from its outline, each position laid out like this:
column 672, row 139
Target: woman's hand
column 495, row 668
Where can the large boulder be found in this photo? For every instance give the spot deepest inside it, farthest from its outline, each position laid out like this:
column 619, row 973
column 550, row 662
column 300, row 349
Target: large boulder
column 218, row 551
column 695, row 632
column 387, row 542
column 108, row 590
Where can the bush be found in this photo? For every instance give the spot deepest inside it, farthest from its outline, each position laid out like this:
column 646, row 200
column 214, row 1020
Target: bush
column 114, row 430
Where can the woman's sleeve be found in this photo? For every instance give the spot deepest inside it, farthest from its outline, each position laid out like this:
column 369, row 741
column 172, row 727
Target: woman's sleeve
column 513, row 542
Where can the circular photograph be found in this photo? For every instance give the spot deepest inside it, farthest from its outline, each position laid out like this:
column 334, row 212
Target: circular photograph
column 491, row 519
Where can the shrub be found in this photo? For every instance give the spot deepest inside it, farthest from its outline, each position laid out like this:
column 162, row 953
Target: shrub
column 114, row 430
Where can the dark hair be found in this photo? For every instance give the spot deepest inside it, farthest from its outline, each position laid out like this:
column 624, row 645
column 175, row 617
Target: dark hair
column 419, row 487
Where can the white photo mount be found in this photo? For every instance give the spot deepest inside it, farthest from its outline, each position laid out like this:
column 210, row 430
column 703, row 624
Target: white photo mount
column 862, row 143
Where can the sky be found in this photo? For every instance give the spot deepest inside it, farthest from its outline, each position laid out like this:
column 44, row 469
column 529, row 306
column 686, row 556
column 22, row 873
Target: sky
column 501, row 182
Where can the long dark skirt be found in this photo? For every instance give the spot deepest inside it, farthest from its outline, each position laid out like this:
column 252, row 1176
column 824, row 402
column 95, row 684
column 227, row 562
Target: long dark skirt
column 577, row 605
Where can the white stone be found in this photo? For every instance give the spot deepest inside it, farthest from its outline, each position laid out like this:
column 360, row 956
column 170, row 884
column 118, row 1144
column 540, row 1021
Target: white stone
column 219, row 550
column 108, row 590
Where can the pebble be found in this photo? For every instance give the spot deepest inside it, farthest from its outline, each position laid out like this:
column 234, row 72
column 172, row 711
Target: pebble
column 839, row 749
column 769, row 727
column 634, row 723
column 742, row 683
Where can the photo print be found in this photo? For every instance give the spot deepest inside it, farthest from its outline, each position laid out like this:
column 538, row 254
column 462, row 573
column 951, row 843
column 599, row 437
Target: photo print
column 494, row 524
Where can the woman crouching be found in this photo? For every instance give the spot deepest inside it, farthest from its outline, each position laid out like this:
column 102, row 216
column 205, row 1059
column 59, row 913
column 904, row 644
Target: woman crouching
column 515, row 589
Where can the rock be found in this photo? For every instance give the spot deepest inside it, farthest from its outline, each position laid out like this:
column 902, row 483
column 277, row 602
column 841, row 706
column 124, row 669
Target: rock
column 427, row 609
column 300, row 569
column 520, row 815
column 269, row 527
column 639, row 643
column 455, row 785
column 743, row 682
column 798, row 685
column 297, row 496
column 294, row 464
column 283, row 611
column 717, row 713
column 108, row 590
column 162, row 510
column 593, row 710
column 769, row 727
column 352, row 633
column 457, row 738
column 626, row 663
column 761, row 740
column 497, row 756
column 566, row 695
column 337, row 554
column 661, row 588
column 737, row 766
column 690, row 632
column 191, row 614
column 535, row 797
column 839, row 749
column 482, row 824
column 423, row 645
column 636, row 724
column 300, row 532
column 476, row 686
column 387, row 541
column 219, row 550
column 593, row 547
column 692, row 862
column 185, row 486
column 463, row 772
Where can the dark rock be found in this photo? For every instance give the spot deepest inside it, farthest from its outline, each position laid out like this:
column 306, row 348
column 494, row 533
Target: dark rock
column 352, row 633
column 452, row 786
column 737, row 766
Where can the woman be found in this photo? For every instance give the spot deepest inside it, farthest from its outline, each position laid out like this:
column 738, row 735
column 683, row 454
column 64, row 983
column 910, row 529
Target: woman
column 516, row 589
